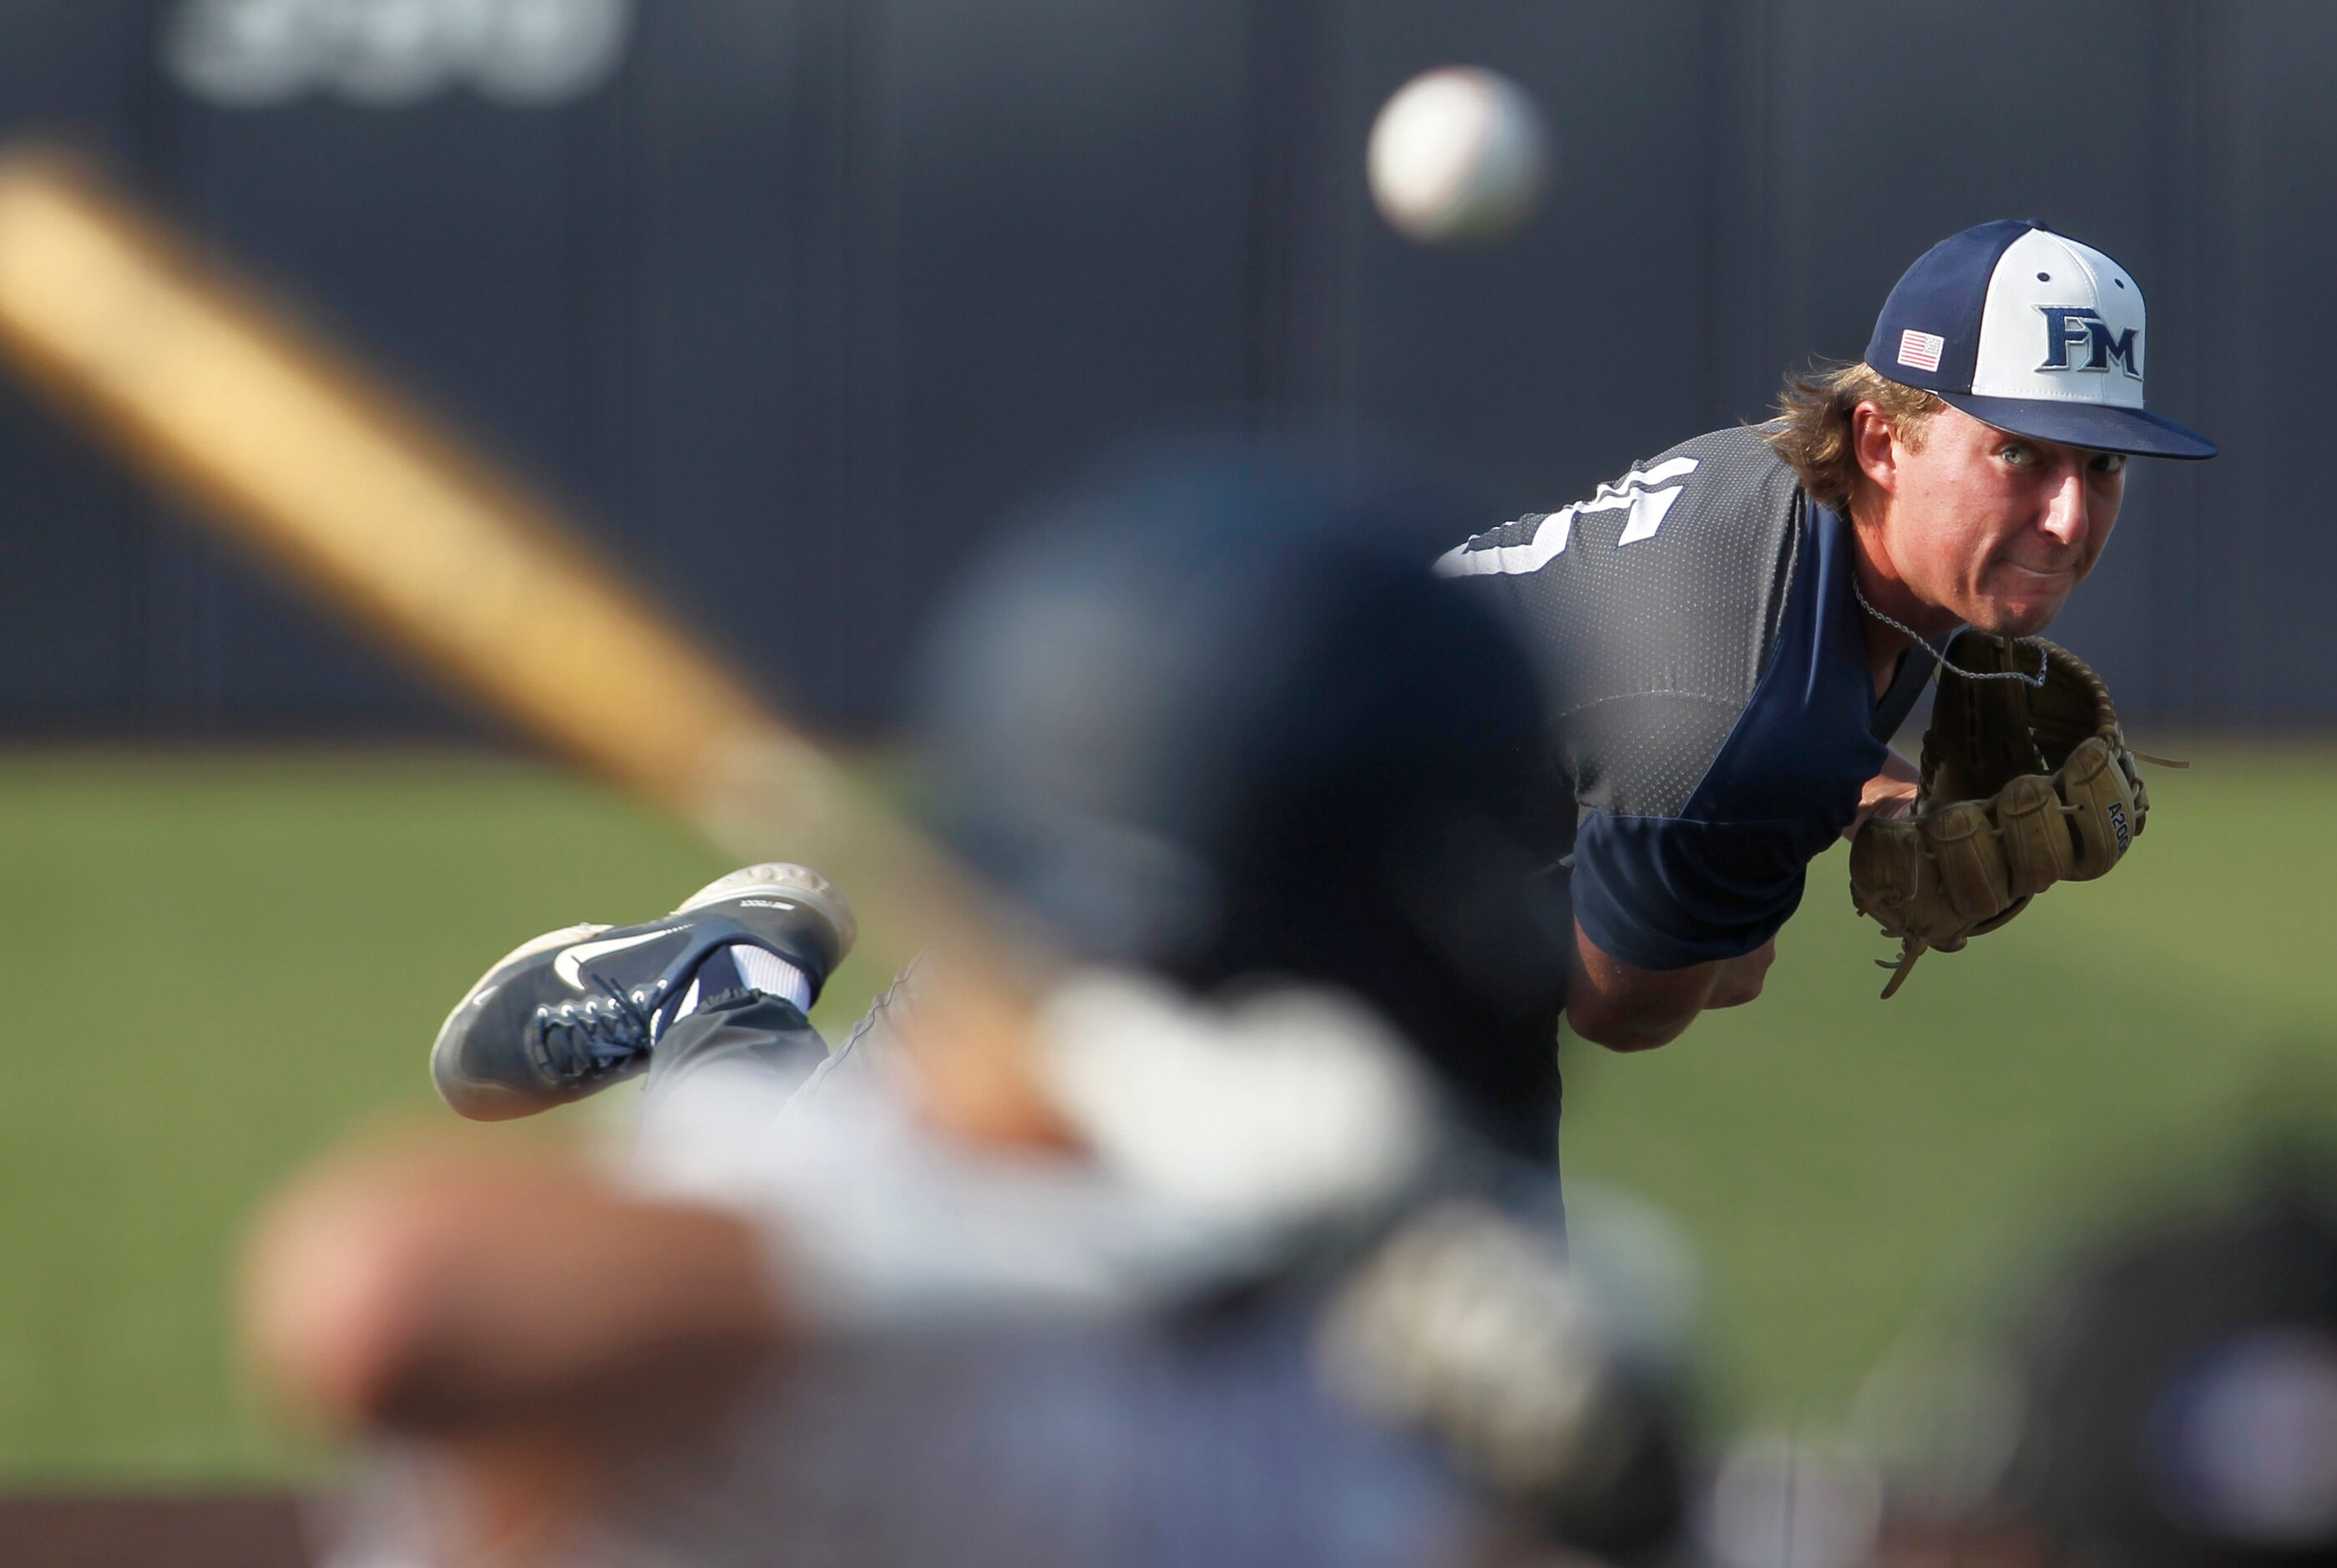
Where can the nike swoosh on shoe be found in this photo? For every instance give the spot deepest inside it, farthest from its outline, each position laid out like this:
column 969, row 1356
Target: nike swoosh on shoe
column 570, row 966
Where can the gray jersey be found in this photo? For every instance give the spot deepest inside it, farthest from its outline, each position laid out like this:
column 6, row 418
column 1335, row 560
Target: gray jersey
column 1711, row 707
column 1031, row 1360
column 1195, row 1438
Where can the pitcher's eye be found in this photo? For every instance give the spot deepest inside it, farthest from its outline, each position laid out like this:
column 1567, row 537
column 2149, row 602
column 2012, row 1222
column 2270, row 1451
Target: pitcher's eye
column 2109, row 463
column 2017, row 455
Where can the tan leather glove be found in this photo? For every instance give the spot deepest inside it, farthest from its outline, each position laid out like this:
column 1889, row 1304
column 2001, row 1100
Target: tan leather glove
column 2023, row 787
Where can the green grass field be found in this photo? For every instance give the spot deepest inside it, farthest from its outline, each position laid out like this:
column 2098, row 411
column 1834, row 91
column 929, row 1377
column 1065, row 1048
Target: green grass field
column 220, row 964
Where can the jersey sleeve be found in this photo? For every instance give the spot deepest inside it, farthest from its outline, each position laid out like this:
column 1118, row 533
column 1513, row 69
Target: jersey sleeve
column 1708, row 694
column 1663, row 893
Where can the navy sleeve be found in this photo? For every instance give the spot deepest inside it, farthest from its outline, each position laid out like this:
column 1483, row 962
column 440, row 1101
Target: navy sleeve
column 1712, row 707
column 1665, row 893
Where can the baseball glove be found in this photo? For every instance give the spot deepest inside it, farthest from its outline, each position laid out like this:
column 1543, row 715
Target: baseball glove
column 2023, row 786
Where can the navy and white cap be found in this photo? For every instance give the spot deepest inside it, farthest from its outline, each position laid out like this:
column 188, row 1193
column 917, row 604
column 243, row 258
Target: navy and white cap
column 2031, row 332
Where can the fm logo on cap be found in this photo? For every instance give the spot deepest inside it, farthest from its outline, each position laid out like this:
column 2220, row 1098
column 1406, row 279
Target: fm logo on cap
column 2067, row 326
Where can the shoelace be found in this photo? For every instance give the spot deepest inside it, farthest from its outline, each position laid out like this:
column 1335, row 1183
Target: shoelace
column 581, row 1040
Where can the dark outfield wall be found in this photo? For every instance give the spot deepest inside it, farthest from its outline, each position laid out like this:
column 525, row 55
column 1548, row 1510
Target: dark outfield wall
column 792, row 296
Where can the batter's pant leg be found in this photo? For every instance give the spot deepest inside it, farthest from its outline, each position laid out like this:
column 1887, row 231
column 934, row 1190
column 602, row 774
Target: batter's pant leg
column 722, row 1074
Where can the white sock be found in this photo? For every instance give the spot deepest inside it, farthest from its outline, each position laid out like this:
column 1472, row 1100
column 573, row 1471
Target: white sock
column 740, row 966
column 768, row 972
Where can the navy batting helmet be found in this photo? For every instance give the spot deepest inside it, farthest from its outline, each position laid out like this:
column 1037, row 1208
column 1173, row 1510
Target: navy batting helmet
column 1210, row 715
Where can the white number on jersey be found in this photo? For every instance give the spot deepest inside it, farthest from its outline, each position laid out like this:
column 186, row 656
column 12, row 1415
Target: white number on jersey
column 1636, row 493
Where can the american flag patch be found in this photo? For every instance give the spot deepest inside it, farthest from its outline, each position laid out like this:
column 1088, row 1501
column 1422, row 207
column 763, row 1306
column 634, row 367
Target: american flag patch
column 1921, row 350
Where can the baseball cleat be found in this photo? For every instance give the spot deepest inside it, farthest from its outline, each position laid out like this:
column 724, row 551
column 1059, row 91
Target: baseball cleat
column 574, row 1011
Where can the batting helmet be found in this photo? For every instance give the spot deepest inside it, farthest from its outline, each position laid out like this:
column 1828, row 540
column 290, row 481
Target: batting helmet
column 1209, row 714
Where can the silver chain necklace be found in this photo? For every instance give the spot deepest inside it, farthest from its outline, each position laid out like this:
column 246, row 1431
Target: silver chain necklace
column 2037, row 680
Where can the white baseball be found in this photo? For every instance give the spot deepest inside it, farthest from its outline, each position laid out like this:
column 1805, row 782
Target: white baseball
column 1459, row 155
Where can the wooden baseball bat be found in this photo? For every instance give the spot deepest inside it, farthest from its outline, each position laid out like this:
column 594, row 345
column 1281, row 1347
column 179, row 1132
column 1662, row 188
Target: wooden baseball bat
column 326, row 475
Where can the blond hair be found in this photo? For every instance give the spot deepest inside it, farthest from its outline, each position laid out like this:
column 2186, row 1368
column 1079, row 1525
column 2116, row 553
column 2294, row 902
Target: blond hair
column 1813, row 428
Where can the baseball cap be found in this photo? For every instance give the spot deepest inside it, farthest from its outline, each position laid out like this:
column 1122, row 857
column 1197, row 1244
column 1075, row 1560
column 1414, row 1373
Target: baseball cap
column 2031, row 332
